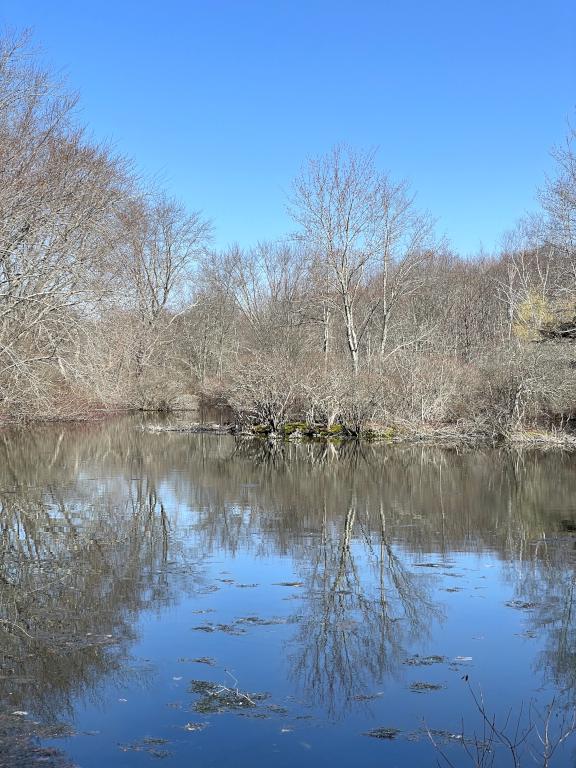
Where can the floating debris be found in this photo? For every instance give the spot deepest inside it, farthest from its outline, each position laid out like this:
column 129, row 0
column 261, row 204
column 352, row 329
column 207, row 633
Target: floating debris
column 229, row 629
column 448, row 736
column 54, row 730
column 367, row 696
column 195, row 726
column 215, row 698
column 209, row 589
column 257, row 621
column 383, row 733
column 424, row 661
column 422, row 687
column 521, row 605
column 150, row 745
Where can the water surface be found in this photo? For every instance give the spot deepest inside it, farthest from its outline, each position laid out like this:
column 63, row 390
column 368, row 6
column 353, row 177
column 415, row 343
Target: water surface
column 203, row 601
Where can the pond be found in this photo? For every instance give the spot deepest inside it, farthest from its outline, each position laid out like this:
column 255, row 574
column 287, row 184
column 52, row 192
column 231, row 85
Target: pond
column 202, row 600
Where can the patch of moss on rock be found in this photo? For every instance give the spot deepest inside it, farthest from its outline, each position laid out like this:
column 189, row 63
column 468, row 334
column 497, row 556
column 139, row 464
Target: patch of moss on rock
column 261, row 429
column 295, row 429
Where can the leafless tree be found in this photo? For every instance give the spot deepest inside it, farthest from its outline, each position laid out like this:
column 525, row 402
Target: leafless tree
column 58, row 194
column 362, row 225
column 558, row 200
column 336, row 201
column 161, row 244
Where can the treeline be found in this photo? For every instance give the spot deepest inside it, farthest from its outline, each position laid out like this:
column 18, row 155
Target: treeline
column 111, row 297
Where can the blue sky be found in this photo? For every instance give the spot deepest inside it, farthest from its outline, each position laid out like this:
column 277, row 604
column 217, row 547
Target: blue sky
column 224, row 99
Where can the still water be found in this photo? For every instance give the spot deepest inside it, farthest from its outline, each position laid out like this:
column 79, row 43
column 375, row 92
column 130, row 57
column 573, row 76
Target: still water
column 202, row 601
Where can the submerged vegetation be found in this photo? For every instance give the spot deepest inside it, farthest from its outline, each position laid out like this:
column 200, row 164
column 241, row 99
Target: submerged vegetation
column 362, row 321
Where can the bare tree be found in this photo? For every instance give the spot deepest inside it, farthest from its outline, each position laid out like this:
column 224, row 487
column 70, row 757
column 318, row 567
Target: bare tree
column 336, row 201
column 58, row 193
column 161, row 245
column 405, row 247
column 558, row 200
column 362, row 225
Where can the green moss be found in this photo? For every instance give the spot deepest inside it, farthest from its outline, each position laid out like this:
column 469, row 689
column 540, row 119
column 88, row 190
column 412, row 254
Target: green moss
column 261, row 429
column 378, row 434
column 293, row 426
column 336, row 430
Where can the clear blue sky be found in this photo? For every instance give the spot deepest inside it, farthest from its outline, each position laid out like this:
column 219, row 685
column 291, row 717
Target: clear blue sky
column 224, row 99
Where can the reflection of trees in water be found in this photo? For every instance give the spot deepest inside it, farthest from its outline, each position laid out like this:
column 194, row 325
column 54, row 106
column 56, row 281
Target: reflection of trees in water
column 307, row 499
column 353, row 626
column 86, row 531
column 435, row 499
column 80, row 559
column 545, row 591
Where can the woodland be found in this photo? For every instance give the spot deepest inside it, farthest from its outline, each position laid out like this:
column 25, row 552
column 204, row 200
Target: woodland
column 362, row 318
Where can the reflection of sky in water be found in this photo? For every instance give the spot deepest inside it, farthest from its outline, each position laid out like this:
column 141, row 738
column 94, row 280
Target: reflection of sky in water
column 476, row 623
column 362, row 570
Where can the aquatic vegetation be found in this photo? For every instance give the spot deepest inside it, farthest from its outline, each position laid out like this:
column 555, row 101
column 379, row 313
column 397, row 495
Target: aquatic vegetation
column 150, row 745
column 259, row 622
column 521, row 605
column 423, row 687
column 383, row 733
column 229, row 629
column 424, row 661
column 215, row 698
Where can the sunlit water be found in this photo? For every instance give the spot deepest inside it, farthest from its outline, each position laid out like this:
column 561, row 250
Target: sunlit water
column 207, row 602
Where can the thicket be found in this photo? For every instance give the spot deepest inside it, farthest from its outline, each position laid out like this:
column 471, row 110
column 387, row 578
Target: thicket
column 111, row 297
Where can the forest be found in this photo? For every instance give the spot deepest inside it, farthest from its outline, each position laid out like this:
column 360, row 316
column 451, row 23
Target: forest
column 112, row 297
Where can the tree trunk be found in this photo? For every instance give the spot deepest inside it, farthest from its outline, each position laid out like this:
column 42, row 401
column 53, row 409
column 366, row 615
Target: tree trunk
column 326, row 341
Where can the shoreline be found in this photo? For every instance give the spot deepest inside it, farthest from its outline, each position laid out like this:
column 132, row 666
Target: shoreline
column 544, row 440
column 299, row 432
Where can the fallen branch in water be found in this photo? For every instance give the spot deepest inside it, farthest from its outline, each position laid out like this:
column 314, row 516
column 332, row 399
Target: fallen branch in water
column 235, row 690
